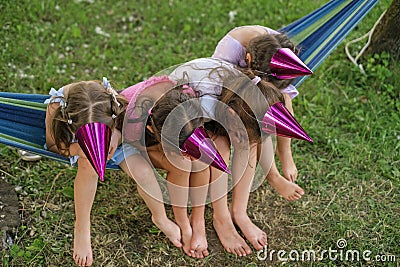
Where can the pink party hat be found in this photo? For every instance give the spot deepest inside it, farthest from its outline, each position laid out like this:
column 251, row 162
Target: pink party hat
column 94, row 139
column 200, row 146
column 278, row 120
column 287, row 65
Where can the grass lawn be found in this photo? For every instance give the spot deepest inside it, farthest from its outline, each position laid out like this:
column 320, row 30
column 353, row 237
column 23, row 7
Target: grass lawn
column 350, row 174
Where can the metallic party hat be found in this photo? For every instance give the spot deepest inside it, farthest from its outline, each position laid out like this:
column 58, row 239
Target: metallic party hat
column 200, row 146
column 94, row 139
column 278, row 120
column 287, row 65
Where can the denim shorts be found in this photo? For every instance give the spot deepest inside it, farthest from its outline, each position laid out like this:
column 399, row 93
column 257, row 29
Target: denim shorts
column 122, row 152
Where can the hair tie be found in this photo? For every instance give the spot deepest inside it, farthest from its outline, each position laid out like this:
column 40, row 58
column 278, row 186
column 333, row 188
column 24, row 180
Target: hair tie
column 256, row 79
column 106, row 83
column 188, row 90
column 110, row 90
column 63, row 104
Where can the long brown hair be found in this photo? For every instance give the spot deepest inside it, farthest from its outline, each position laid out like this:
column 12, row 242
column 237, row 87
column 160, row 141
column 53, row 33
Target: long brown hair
column 173, row 111
column 261, row 49
column 248, row 101
column 172, row 117
column 86, row 102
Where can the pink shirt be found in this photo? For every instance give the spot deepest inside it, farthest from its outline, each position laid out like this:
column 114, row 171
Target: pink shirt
column 133, row 131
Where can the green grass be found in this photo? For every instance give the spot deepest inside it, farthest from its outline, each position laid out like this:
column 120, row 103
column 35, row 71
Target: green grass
column 350, row 174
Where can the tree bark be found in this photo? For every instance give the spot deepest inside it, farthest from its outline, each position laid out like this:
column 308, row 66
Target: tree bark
column 386, row 37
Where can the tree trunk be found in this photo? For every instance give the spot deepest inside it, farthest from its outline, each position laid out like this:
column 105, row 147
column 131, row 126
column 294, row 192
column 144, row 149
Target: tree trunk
column 386, row 37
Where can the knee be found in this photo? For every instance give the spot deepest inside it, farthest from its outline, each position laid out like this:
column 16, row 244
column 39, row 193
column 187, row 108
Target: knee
column 85, row 165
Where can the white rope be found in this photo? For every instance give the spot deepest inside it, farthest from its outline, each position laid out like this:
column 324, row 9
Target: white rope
column 369, row 35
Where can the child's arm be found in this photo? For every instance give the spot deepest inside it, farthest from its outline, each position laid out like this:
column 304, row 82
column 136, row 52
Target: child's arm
column 284, row 150
column 116, row 139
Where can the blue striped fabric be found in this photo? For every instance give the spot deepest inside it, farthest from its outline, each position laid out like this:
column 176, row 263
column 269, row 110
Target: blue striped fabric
column 332, row 23
column 22, row 124
column 22, row 116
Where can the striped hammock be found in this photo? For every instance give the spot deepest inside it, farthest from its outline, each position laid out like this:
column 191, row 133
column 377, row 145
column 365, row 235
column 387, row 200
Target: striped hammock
column 22, row 116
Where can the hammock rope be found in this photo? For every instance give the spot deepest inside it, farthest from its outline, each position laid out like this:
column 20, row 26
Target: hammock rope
column 359, row 54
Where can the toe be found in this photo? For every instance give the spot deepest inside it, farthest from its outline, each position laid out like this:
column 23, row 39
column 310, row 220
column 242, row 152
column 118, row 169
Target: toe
column 239, row 251
column 297, row 196
column 177, row 243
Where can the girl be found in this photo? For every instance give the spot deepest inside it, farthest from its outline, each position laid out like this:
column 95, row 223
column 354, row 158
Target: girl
column 253, row 47
column 246, row 107
column 81, row 103
column 209, row 77
column 180, row 124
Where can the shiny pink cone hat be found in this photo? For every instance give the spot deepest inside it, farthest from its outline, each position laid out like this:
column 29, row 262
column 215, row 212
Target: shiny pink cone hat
column 278, row 120
column 200, row 146
column 94, row 139
column 287, row 65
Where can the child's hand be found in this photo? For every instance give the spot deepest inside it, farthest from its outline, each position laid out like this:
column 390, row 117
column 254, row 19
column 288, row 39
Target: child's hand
column 114, row 142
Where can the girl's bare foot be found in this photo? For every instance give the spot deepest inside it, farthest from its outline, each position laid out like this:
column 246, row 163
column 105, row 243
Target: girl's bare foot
column 198, row 244
column 253, row 234
column 290, row 191
column 170, row 229
column 230, row 238
column 186, row 241
column 82, row 247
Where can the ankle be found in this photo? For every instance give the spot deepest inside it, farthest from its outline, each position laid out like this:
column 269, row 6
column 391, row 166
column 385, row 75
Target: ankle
column 184, row 224
column 198, row 220
column 159, row 220
column 273, row 176
column 219, row 218
column 239, row 215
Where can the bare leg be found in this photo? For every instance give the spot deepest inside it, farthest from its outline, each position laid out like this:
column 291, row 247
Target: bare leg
column 284, row 153
column 240, row 196
column 284, row 150
column 178, row 187
column 222, row 220
column 85, row 186
column 289, row 190
column 140, row 170
column 198, row 194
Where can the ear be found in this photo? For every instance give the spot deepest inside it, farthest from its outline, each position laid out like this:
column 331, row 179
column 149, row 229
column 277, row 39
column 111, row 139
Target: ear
column 248, row 59
column 150, row 128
